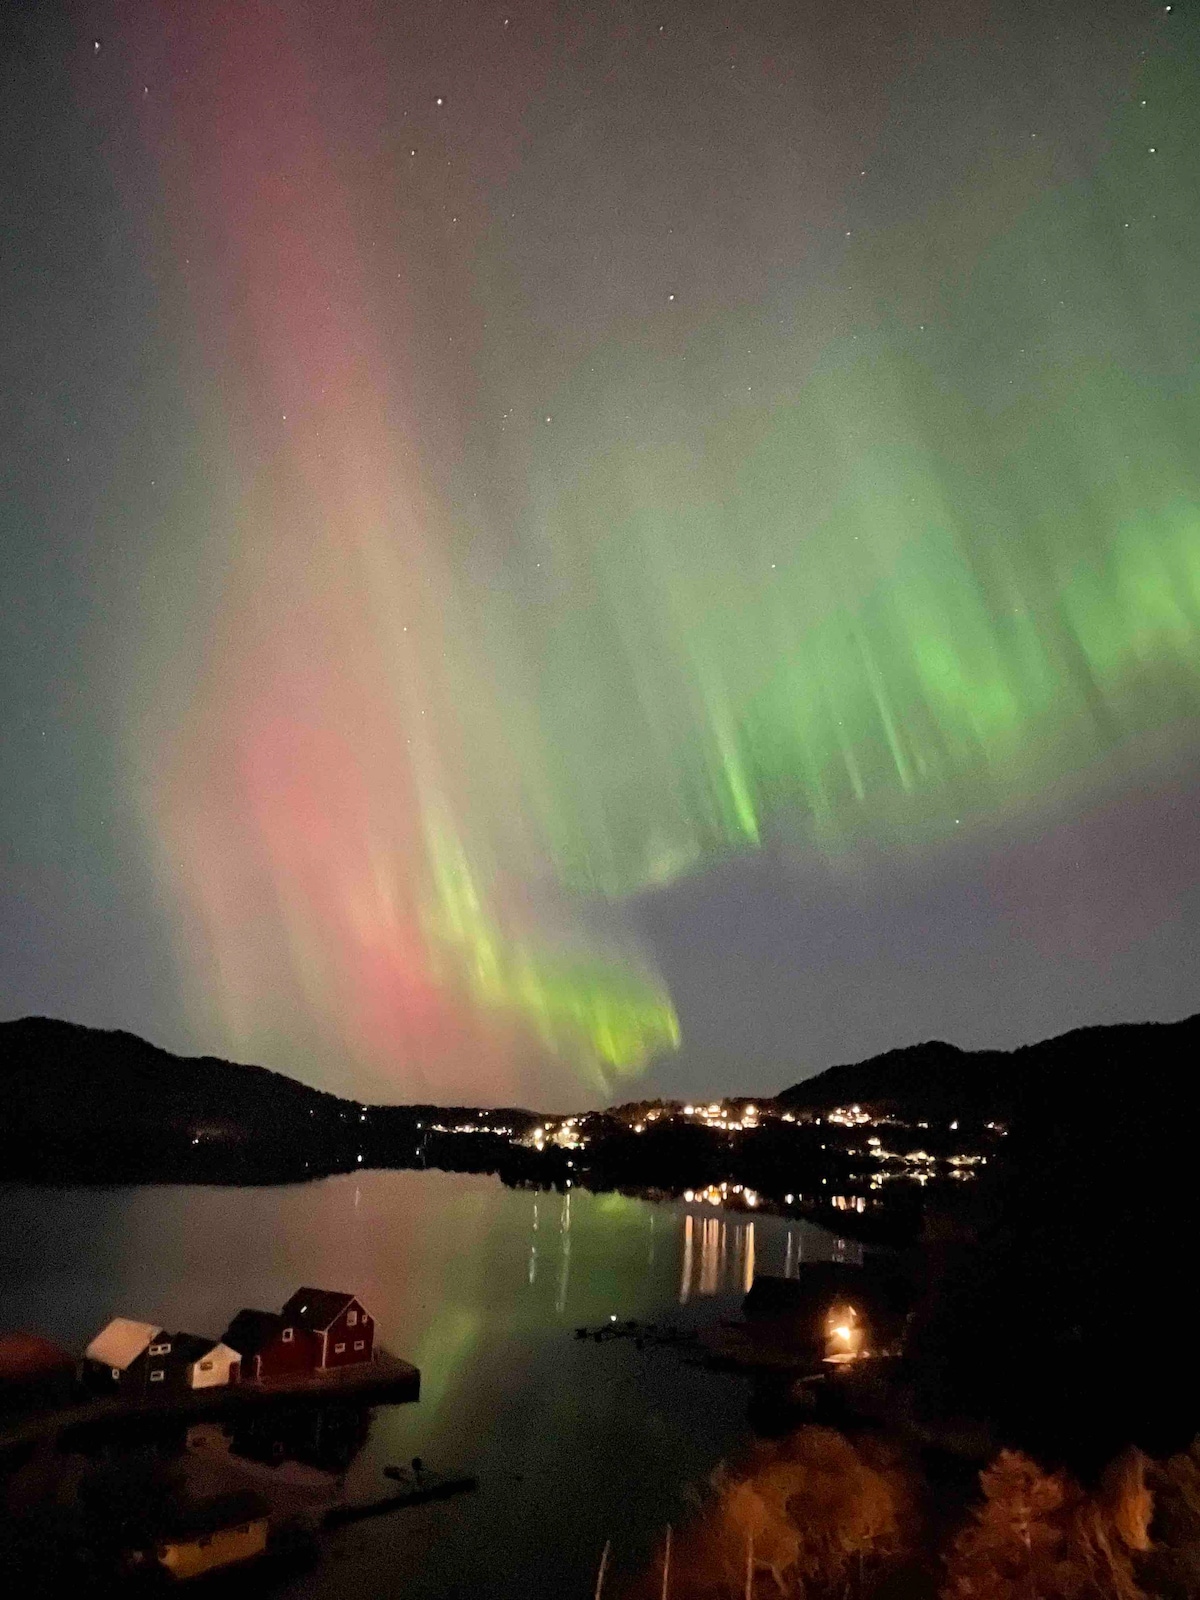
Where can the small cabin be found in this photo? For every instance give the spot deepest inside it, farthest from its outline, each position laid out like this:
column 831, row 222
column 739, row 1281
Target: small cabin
column 833, row 1309
column 206, row 1535
column 203, row 1363
column 345, row 1331
column 128, row 1357
column 272, row 1346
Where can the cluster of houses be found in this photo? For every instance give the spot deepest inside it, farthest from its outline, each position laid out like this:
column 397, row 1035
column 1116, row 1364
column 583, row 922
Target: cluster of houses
column 317, row 1331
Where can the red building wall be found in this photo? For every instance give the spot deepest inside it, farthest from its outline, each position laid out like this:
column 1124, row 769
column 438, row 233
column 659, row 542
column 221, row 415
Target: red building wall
column 342, row 1333
column 287, row 1357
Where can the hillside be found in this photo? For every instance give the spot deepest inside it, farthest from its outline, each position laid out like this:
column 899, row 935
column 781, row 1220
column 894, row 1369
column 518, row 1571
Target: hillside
column 1089, row 1064
column 87, row 1103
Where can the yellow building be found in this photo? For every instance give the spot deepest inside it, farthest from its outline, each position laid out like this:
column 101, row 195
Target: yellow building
column 209, row 1534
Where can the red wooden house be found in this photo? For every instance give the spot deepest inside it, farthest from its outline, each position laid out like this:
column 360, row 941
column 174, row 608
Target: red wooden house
column 344, row 1332
column 271, row 1346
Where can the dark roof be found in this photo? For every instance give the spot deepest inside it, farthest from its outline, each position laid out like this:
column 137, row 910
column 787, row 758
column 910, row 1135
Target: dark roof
column 251, row 1331
column 316, row 1308
column 191, row 1346
column 194, row 1518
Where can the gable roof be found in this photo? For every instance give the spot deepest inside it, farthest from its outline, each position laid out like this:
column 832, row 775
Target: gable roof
column 190, row 1346
column 220, row 1352
column 315, row 1309
column 121, row 1342
column 187, row 1520
column 252, row 1331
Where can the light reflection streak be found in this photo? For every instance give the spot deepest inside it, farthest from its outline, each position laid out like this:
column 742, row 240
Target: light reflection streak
column 564, row 1271
column 685, row 1283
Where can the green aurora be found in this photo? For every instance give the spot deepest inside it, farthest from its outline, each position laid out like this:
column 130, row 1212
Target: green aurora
column 951, row 559
column 709, row 441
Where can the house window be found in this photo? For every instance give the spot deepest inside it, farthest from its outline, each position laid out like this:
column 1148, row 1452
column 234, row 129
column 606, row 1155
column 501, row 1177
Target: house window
column 157, row 1375
column 339, row 1349
column 358, row 1344
column 351, row 1318
column 287, row 1335
column 160, row 1349
column 116, row 1372
column 206, row 1366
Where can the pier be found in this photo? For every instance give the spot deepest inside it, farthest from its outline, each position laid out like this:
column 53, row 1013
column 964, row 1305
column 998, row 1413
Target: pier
column 385, row 1380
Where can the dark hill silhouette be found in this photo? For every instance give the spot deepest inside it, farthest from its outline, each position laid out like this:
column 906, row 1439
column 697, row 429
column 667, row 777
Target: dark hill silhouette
column 93, row 1104
column 87, row 1105
column 936, row 1079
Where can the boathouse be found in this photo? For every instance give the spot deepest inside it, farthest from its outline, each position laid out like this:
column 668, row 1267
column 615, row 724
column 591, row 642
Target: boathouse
column 203, row 1364
column 127, row 1356
column 272, row 1346
column 338, row 1322
column 137, row 1358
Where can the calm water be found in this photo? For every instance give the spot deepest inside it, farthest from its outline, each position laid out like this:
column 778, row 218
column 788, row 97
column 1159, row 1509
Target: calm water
column 481, row 1286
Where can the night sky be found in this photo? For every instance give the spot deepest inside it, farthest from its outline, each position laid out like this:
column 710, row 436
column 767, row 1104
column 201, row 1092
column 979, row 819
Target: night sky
column 558, row 550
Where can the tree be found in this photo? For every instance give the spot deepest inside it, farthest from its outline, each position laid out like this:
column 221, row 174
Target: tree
column 1039, row 1536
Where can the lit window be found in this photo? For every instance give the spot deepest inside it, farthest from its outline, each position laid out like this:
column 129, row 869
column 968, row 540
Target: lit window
column 339, row 1349
column 359, row 1344
column 157, row 1375
column 351, row 1318
column 160, row 1349
column 287, row 1335
column 116, row 1372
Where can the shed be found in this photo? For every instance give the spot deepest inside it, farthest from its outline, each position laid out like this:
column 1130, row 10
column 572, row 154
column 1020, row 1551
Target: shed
column 204, row 1363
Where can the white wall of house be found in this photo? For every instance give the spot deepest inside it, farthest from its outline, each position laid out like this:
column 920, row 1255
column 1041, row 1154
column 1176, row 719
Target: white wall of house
column 213, row 1368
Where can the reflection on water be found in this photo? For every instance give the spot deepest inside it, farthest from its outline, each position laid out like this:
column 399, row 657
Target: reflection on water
column 480, row 1286
column 719, row 1252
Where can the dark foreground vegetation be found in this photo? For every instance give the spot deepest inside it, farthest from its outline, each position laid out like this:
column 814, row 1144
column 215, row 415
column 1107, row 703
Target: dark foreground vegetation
column 826, row 1516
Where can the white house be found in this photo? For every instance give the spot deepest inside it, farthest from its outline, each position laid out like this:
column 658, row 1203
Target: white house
column 214, row 1366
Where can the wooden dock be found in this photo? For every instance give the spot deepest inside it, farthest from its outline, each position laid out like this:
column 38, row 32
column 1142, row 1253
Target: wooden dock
column 430, row 1486
column 386, row 1380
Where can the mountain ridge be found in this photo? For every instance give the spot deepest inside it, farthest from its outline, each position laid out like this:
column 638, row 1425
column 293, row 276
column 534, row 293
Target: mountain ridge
column 999, row 1082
